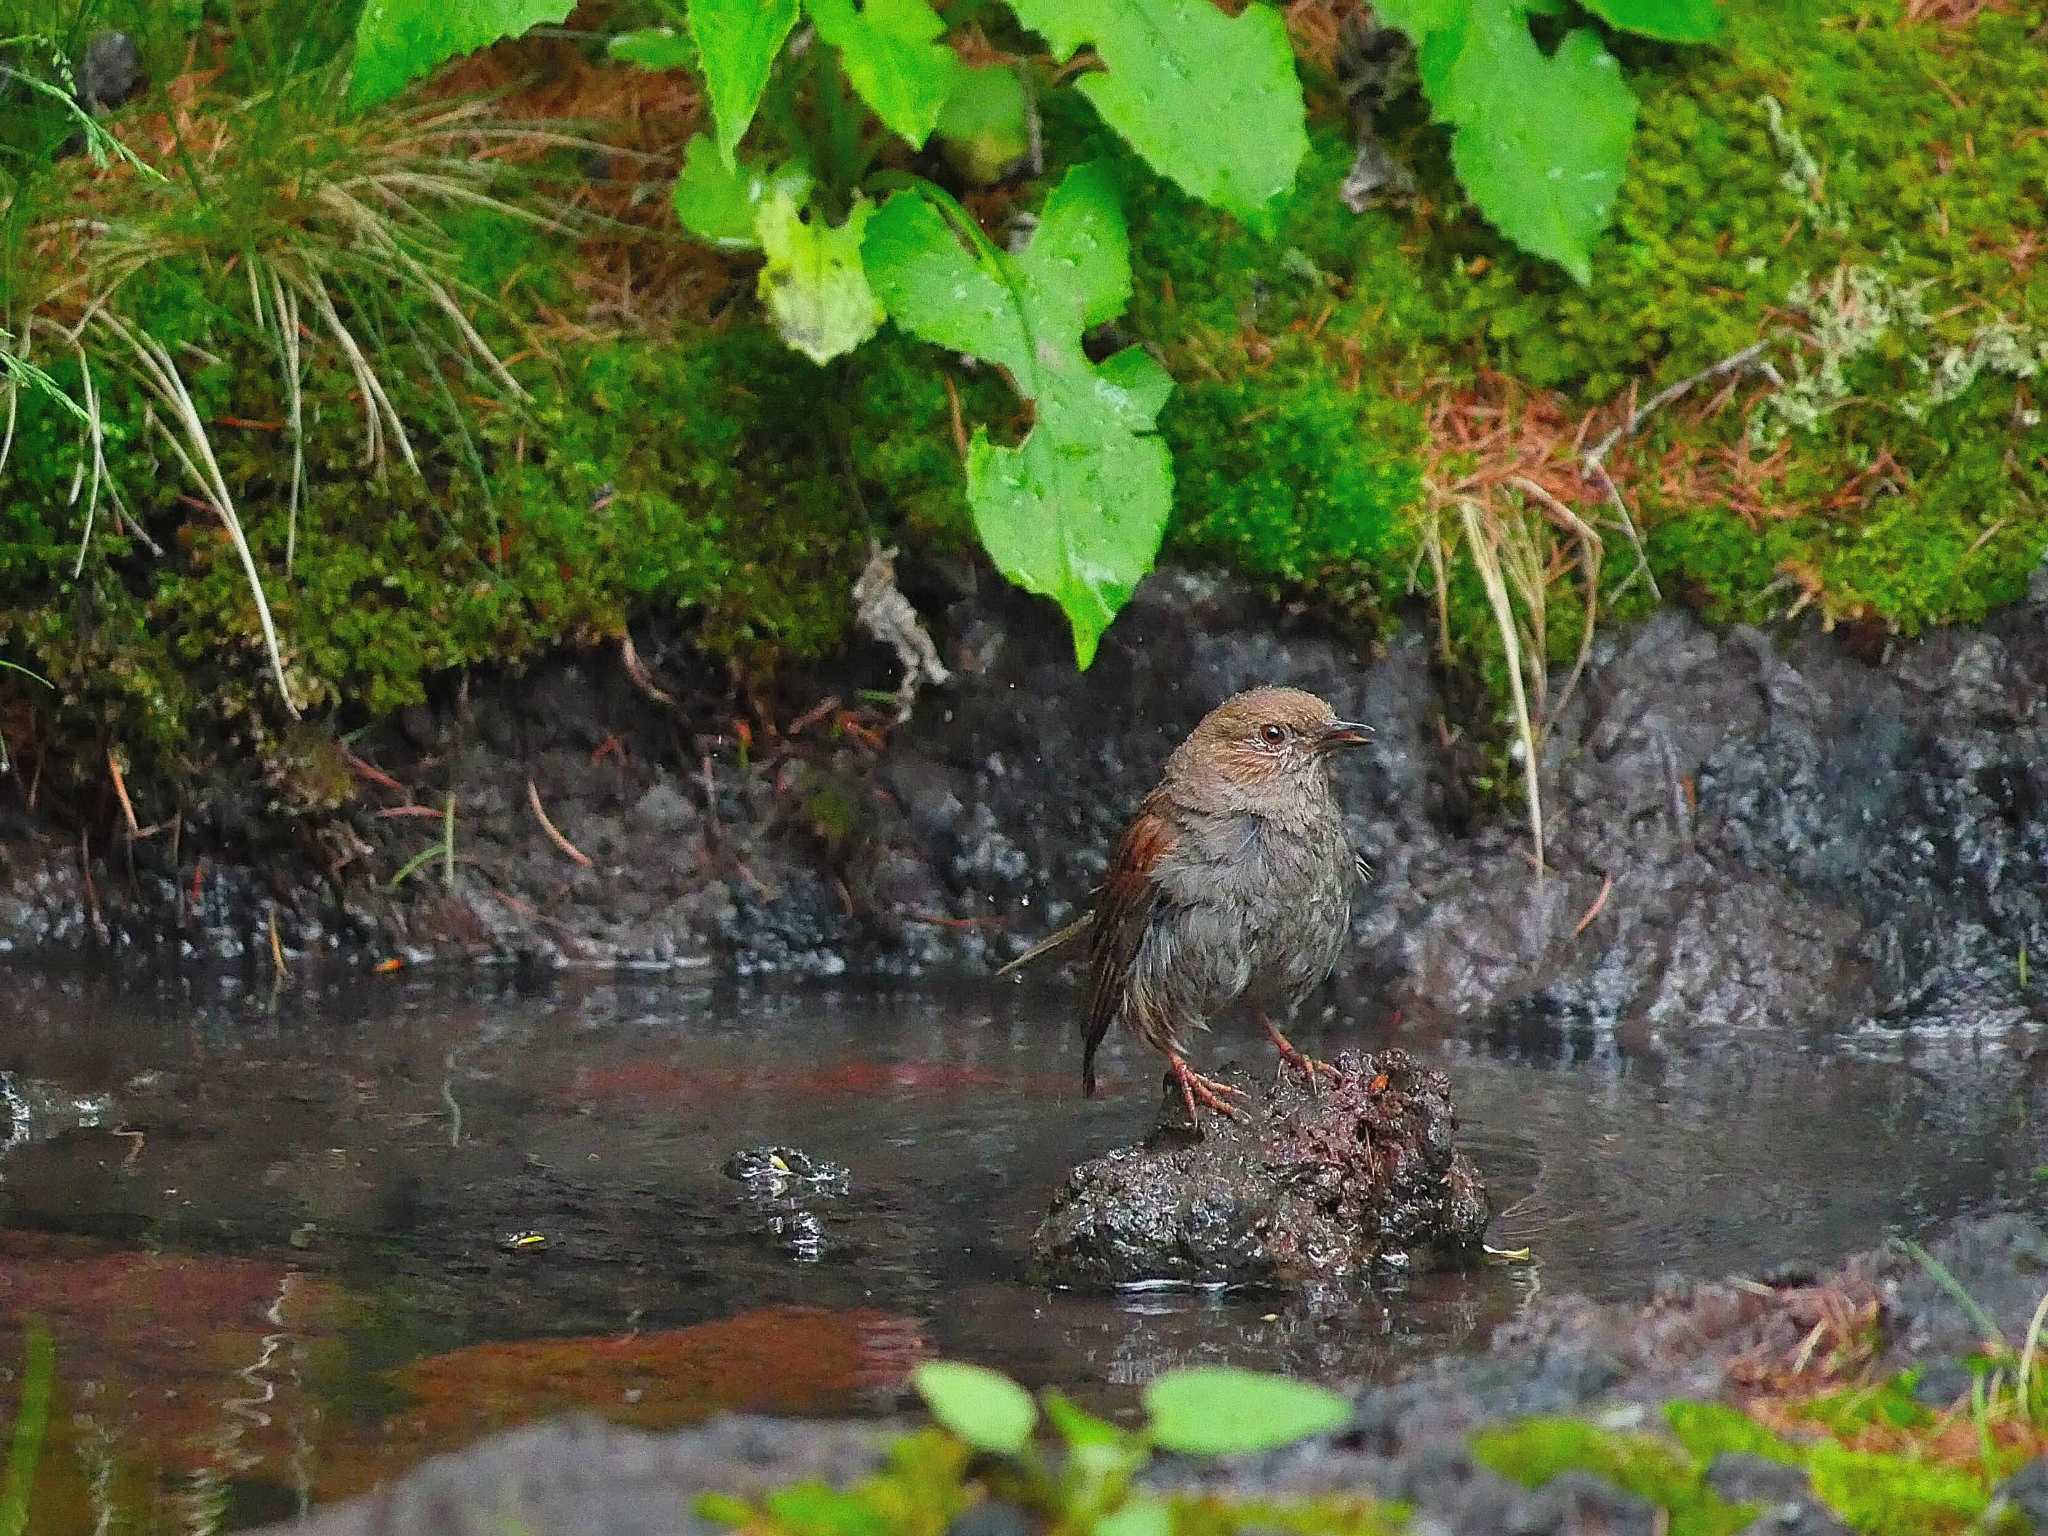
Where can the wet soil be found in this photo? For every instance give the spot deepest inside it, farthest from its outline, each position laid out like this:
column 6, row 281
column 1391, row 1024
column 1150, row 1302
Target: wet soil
column 1761, row 830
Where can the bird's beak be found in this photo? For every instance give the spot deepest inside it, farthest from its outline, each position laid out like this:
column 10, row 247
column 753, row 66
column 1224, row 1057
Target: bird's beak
column 1343, row 733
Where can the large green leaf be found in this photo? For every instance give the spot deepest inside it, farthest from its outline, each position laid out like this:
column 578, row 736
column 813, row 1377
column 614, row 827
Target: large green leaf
column 1546, row 170
column 400, row 40
column 1210, row 100
column 893, row 58
column 1540, row 141
column 983, row 1407
column 1670, row 21
column 1076, row 511
column 813, row 282
column 1220, row 1411
column 737, row 41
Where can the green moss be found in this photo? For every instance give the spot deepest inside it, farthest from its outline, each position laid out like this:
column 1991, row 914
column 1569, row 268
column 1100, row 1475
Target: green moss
column 1534, row 1451
column 1881, row 1494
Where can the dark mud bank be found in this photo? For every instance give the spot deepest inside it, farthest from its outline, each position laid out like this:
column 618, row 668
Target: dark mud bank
column 1410, row 1442
column 1782, row 827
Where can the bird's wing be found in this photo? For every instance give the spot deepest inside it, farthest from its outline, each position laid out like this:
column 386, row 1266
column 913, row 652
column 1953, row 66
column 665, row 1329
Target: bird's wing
column 1046, row 946
column 1122, row 910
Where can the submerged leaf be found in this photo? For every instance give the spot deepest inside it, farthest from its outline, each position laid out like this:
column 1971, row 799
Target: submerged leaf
column 893, row 58
column 400, row 40
column 983, row 1407
column 1210, row 100
column 1076, row 511
column 1222, row 1411
column 738, row 41
column 813, row 282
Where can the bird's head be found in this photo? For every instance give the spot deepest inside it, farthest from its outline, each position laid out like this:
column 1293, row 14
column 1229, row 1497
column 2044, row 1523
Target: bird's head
column 1263, row 749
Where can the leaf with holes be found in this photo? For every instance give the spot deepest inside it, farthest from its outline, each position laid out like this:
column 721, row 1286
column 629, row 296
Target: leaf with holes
column 737, row 41
column 813, row 283
column 1210, row 100
column 892, row 55
column 1076, row 511
column 399, row 40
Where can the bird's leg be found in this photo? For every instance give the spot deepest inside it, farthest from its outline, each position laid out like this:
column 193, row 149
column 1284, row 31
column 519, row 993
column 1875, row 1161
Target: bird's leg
column 1290, row 1056
column 1197, row 1089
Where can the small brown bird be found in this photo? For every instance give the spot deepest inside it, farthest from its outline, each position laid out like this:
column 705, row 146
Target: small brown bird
column 1232, row 882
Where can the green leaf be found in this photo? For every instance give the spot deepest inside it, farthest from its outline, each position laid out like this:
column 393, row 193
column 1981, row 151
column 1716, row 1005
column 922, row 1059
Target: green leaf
column 893, row 60
column 1137, row 1517
column 400, row 40
column 1670, row 21
column 812, row 1509
column 737, row 41
column 1210, row 101
column 1077, row 1426
column 982, row 126
column 983, row 1407
column 1545, row 171
column 1222, row 1411
column 654, row 48
column 1419, row 18
column 723, row 206
column 1076, row 511
column 813, row 283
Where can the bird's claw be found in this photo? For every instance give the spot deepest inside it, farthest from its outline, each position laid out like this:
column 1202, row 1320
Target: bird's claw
column 1197, row 1089
column 1292, row 1055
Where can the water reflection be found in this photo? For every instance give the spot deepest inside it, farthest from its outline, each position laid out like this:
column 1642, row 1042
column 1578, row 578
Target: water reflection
column 288, row 1244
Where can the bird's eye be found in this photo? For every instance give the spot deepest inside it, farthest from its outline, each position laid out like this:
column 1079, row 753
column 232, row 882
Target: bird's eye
column 1273, row 735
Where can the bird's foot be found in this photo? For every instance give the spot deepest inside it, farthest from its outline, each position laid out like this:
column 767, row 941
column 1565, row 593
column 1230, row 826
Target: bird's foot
column 1292, row 1056
column 1197, row 1089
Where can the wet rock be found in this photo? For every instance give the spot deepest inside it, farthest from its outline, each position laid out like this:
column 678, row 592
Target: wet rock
column 1319, row 1185
column 775, row 1170
column 111, row 72
column 993, row 1517
column 582, row 1475
column 1580, row 1504
column 2027, row 1491
column 1790, row 1507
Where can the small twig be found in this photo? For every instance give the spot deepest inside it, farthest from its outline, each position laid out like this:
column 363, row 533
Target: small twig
column 636, row 669
column 121, row 794
column 1599, row 902
column 554, row 834
column 421, row 812
column 953, row 404
column 276, row 946
column 1633, row 424
column 813, row 715
column 374, row 775
column 1595, row 463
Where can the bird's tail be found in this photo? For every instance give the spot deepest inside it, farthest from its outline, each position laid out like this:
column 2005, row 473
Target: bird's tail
column 1095, row 1035
column 1046, row 946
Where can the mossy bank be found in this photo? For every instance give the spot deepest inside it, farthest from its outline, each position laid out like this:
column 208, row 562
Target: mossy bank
column 1856, row 186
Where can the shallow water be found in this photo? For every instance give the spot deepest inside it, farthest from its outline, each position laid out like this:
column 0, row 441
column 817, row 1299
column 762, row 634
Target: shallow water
column 273, row 1235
